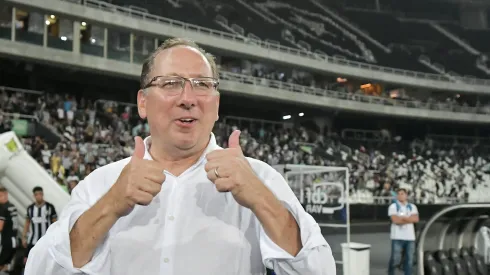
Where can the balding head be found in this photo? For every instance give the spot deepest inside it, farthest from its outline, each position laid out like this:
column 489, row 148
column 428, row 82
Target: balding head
column 175, row 43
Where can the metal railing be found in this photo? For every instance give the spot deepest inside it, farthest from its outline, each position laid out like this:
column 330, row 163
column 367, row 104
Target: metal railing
column 123, row 11
column 366, row 99
column 17, row 115
column 18, row 90
column 366, row 199
column 412, row 104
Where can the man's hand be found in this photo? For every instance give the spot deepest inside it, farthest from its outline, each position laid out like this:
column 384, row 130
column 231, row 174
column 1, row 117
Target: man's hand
column 230, row 171
column 139, row 182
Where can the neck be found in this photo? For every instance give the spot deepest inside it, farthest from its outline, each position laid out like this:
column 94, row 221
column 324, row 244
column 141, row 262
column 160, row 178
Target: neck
column 40, row 203
column 176, row 160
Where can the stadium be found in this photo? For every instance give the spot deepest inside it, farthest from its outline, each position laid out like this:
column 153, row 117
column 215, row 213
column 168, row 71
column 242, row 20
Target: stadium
column 349, row 100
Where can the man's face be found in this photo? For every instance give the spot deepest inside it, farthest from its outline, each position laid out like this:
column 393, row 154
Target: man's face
column 163, row 111
column 402, row 196
column 39, row 196
column 4, row 197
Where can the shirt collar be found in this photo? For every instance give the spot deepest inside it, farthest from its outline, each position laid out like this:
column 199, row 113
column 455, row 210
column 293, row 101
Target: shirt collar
column 211, row 147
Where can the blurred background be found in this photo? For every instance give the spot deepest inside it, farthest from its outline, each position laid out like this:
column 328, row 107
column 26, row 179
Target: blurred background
column 395, row 91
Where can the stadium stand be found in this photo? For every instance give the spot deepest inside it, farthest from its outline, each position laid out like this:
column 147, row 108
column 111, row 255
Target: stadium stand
column 90, row 129
column 407, row 44
column 97, row 134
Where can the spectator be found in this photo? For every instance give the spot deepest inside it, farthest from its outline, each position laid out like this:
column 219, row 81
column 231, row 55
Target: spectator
column 402, row 234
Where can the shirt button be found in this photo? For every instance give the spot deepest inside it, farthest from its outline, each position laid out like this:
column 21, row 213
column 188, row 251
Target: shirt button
column 166, row 260
column 171, row 218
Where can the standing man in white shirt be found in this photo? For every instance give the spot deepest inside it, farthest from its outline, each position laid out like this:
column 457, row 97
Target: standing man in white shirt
column 403, row 217
column 181, row 205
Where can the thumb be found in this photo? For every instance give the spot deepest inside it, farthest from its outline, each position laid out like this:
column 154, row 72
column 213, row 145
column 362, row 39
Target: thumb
column 139, row 148
column 234, row 140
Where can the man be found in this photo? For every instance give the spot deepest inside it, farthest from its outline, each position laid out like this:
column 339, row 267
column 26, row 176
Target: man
column 403, row 217
column 8, row 231
column 181, row 205
column 40, row 215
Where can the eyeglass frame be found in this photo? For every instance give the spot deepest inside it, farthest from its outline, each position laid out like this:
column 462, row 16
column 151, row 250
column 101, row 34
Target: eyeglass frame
column 151, row 84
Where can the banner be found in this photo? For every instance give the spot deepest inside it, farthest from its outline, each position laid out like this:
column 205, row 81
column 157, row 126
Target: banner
column 11, row 145
column 322, row 197
column 20, row 127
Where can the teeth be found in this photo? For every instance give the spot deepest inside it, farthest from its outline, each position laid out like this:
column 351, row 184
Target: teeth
column 187, row 120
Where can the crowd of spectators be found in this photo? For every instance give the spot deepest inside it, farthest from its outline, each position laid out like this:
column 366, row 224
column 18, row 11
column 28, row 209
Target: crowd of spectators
column 359, row 91
column 93, row 134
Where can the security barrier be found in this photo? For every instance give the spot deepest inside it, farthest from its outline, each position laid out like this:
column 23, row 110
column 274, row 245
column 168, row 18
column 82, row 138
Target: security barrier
column 447, row 244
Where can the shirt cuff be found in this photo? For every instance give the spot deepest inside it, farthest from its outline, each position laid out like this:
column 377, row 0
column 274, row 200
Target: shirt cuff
column 61, row 247
column 311, row 237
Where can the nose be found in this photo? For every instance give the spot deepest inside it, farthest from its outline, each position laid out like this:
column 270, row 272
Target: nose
column 187, row 98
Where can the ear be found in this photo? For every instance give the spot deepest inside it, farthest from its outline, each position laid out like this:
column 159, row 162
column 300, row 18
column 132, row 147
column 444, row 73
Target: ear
column 141, row 102
column 218, row 96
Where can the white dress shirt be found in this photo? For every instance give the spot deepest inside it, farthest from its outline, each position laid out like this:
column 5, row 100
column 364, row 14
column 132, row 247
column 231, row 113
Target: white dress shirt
column 189, row 228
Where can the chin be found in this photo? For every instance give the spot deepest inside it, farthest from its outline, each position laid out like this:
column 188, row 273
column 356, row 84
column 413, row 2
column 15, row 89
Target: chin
column 185, row 141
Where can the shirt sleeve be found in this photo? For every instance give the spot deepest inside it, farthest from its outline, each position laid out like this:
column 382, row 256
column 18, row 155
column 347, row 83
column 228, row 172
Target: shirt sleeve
column 29, row 213
column 315, row 258
column 414, row 211
column 392, row 210
column 54, row 215
column 52, row 253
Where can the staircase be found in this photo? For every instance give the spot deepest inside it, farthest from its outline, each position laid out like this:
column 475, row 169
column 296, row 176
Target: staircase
column 480, row 65
column 256, row 11
column 264, row 7
column 353, row 28
column 223, row 22
column 425, row 60
column 455, row 39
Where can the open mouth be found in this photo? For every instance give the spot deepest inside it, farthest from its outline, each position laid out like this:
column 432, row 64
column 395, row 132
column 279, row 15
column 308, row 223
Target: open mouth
column 187, row 120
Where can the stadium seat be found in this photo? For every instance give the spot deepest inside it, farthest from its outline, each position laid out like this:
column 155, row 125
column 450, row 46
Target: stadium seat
column 468, row 261
column 431, row 266
column 479, row 262
column 458, row 262
column 446, row 264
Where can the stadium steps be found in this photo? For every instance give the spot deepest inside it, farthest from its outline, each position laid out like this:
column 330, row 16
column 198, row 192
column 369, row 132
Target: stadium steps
column 223, row 22
column 465, row 45
column 252, row 23
column 439, row 48
column 399, row 57
column 351, row 26
column 454, row 38
column 256, row 11
column 479, row 39
column 301, row 26
column 424, row 59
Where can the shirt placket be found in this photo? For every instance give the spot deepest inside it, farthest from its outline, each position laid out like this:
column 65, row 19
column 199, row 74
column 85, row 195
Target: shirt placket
column 171, row 216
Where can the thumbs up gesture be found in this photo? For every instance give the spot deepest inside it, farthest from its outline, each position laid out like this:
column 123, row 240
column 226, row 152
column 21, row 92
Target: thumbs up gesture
column 231, row 172
column 139, row 182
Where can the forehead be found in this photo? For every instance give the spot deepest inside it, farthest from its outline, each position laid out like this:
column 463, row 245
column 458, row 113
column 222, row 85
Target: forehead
column 183, row 61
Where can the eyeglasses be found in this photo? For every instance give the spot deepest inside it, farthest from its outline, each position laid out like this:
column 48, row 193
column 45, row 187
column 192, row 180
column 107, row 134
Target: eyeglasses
column 174, row 85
